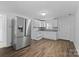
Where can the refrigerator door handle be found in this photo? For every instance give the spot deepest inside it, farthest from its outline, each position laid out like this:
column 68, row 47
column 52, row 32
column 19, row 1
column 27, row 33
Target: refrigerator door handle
column 25, row 29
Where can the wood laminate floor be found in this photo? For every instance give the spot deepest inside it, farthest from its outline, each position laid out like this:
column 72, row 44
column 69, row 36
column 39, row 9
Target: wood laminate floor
column 43, row 48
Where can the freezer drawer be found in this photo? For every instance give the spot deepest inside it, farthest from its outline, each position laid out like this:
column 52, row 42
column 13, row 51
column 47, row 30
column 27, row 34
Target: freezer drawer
column 26, row 41
column 21, row 43
column 18, row 43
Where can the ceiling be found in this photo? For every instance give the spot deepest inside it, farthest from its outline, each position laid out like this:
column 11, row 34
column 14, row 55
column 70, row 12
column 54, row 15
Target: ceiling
column 32, row 8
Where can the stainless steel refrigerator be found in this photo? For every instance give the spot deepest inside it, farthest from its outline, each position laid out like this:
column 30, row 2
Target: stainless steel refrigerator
column 21, row 32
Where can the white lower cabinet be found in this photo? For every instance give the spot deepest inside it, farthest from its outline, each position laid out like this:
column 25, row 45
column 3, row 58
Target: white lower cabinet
column 49, row 35
column 36, row 35
column 43, row 34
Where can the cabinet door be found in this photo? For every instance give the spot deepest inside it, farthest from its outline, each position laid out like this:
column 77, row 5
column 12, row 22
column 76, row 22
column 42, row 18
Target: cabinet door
column 50, row 35
column 36, row 35
column 36, row 23
column 54, row 23
column 50, row 24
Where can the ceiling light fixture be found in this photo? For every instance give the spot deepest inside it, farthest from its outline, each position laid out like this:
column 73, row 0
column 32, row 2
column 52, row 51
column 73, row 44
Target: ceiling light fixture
column 43, row 13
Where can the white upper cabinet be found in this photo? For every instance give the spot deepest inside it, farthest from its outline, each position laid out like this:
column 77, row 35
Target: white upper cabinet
column 50, row 24
column 36, row 23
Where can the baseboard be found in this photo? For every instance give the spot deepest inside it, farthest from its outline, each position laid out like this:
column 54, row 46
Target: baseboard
column 2, row 45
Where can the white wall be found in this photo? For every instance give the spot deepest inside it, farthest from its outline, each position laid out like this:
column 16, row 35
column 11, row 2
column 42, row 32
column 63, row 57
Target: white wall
column 6, row 30
column 1, row 23
column 76, row 42
column 66, row 27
